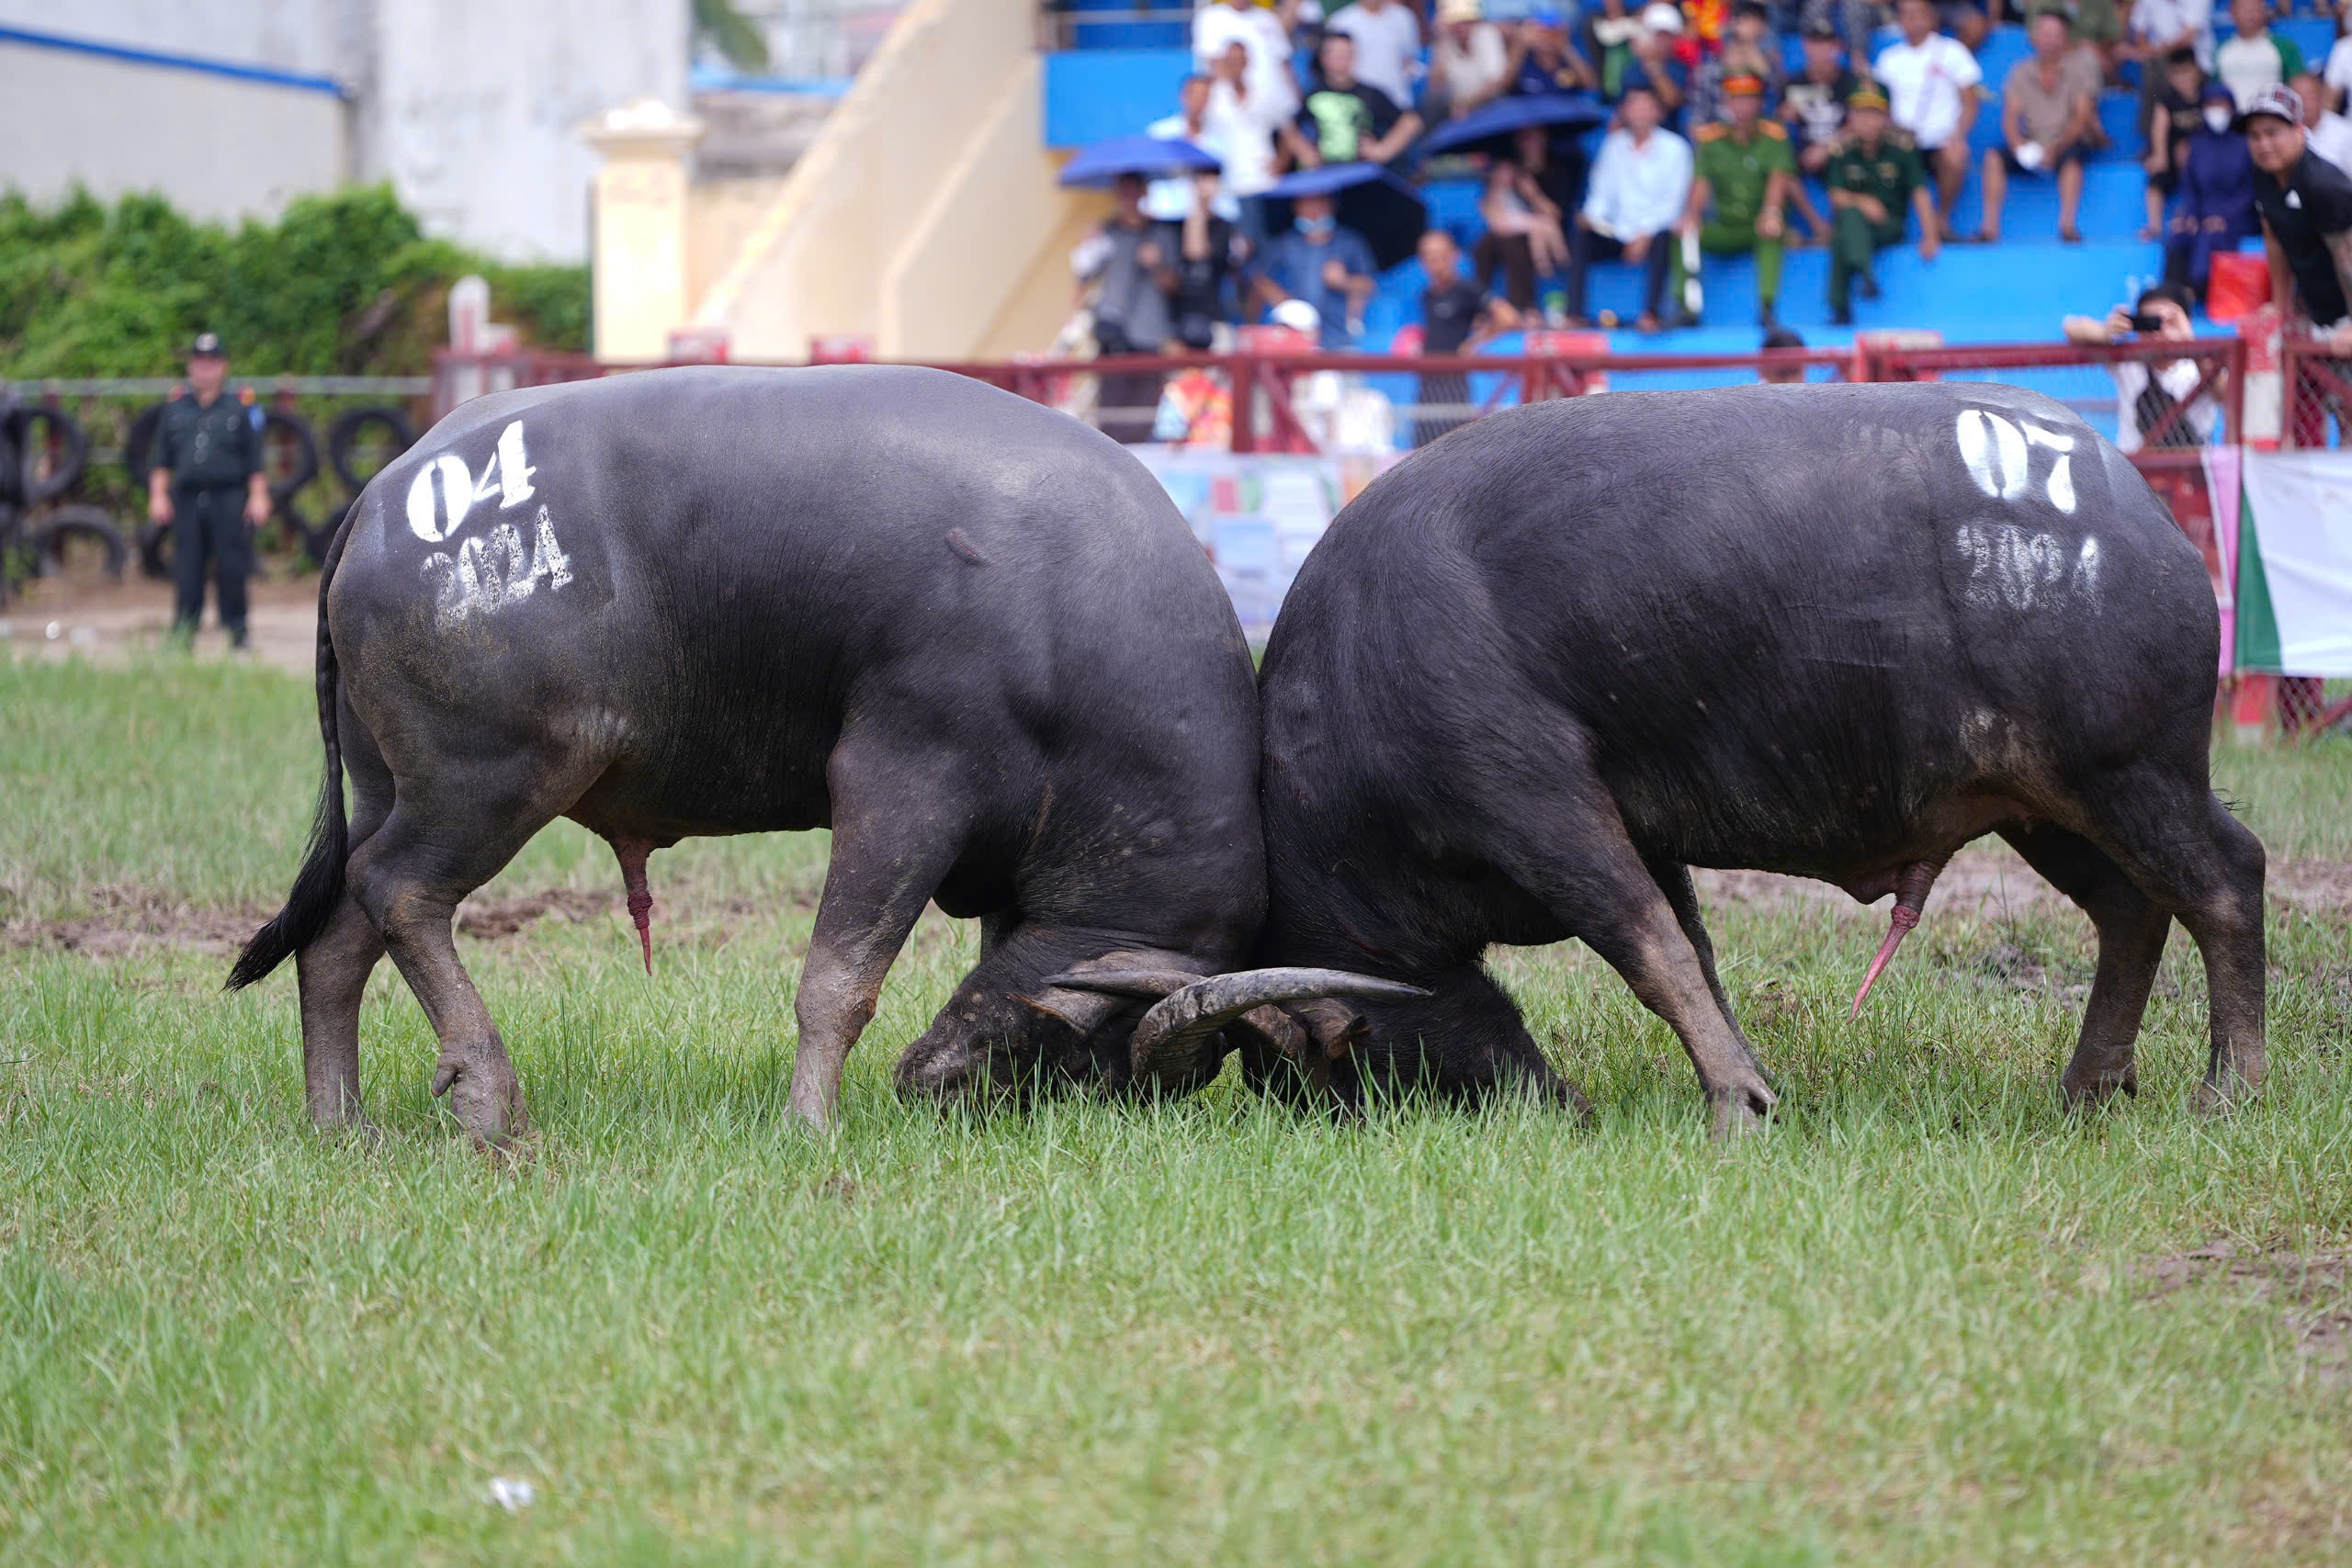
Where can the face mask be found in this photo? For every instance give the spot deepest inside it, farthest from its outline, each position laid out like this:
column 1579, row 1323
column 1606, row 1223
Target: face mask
column 2218, row 118
column 1316, row 228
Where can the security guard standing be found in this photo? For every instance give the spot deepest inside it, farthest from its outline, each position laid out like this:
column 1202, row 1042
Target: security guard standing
column 1872, row 178
column 1743, row 170
column 208, row 488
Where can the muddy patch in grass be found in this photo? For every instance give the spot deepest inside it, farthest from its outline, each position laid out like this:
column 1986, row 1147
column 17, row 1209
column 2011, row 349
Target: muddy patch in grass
column 125, row 920
column 2313, row 1291
column 1990, row 883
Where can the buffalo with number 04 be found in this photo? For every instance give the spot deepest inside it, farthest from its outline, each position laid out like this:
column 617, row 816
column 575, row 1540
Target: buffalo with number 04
column 967, row 634
column 1545, row 665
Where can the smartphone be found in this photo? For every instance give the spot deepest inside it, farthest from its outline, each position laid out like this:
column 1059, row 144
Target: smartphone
column 2143, row 322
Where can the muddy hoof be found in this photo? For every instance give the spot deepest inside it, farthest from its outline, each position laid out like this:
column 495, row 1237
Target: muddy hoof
column 2090, row 1091
column 1736, row 1115
column 2220, row 1097
column 485, row 1098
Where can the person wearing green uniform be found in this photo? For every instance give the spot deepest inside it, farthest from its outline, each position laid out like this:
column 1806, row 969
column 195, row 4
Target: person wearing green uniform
column 1741, row 172
column 1873, row 178
column 208, row 487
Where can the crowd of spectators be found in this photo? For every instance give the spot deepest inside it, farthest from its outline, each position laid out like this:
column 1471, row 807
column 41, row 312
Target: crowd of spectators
column 1709, row 148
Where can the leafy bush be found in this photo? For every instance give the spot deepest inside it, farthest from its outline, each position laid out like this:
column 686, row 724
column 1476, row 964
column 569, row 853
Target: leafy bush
column 344, row 284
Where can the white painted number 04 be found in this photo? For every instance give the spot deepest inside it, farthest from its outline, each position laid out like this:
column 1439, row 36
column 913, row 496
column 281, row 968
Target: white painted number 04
column 1999, row 456
column 446, row 489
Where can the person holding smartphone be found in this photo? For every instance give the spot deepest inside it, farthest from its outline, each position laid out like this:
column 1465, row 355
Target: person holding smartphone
column 2148, row 391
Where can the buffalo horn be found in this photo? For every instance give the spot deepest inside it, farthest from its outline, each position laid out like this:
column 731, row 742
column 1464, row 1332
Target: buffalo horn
column 1168, row 1044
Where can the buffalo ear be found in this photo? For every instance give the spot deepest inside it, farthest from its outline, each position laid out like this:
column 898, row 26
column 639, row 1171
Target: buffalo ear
column 1332, row 1025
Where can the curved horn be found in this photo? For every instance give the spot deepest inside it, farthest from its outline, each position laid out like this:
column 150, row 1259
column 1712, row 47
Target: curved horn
column 1152, row 982
column 1167, row 1044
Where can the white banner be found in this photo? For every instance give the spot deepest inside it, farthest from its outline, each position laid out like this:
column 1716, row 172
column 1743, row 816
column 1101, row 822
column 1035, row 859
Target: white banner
column 2294, row 587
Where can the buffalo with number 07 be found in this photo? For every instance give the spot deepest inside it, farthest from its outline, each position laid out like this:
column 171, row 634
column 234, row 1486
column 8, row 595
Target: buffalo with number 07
column 1537, row 672
column 969, row 635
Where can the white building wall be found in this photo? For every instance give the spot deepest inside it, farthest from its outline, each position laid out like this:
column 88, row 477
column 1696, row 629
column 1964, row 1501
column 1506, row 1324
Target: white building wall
column 470, row 107
column 220, row 149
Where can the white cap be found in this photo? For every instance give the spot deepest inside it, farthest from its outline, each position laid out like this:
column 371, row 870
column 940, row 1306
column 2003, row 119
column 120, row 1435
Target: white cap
column 1298, row 316
column 1662, row 16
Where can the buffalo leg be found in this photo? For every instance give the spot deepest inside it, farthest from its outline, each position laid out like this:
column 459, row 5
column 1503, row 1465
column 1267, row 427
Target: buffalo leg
column 410, row 878
column 2188, row 854
column 1598, row 886
column 332, row 969
column 2132, row 931
column 890, row 851
column 1674, row 881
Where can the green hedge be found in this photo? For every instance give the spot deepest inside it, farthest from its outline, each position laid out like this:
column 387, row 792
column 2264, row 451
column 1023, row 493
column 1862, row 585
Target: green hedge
column 345, row 284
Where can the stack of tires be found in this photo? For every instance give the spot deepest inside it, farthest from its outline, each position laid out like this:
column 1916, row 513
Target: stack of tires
column 43, row 455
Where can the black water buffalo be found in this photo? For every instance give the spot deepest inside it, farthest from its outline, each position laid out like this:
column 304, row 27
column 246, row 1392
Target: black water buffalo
column 967, row 634
column 1542, row 668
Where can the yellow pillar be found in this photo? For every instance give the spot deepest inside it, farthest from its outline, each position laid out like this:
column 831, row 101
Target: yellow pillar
column 639, row 235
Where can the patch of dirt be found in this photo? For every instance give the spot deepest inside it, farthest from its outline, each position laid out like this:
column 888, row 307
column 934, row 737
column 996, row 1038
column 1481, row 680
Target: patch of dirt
column 2312, row 1289
column 130, row 920
column 2020, row 970
column 491, row 918
column 109, row 622
column 1993, row 882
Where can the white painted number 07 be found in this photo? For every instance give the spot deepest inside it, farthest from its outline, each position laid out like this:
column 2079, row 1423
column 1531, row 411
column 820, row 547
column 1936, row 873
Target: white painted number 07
column 2000, row 459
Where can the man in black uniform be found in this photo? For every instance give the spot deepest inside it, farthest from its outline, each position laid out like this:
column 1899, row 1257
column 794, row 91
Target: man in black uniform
column 208, row 487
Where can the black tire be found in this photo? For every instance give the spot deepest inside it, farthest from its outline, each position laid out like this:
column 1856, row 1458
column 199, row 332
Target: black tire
column 139, row 443
column 306, row 453
column 155, row 551
column 296, row 536
column 67, row 431
column 345, row 433
column 50, row 535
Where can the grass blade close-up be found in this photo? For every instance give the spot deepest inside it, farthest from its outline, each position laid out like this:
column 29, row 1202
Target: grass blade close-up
column 1927, row 1315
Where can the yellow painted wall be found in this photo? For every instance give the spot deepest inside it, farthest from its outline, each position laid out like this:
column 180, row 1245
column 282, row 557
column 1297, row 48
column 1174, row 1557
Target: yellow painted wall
column 921, row 215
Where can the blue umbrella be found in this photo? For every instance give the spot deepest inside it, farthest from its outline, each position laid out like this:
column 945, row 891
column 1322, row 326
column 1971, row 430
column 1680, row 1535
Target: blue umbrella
column 1153, row 157
column 1374, row 201
column 1490, row 126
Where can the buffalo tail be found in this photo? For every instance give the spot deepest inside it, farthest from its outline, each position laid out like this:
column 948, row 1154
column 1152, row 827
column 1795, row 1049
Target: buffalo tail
column 317, row 888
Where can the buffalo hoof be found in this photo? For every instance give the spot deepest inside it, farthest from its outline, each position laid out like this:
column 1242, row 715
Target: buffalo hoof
column 485, row 1098
column 2090, row 1090
column 1737, row 1113
column 2221, row 1096
column 354, row 1128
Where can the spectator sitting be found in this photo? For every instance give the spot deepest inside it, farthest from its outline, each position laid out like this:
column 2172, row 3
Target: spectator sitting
column 1969, row 21
column 2254, row 57
column 1739, row 190
column 1266, row 33
column 1931, row 83
column 2326, row 132
column 1813, row 108
column 1541, row 182
column 1387, row 35
column 2215, row 204
column 1122, row 261
column 2172, row 116
column 1872, row 179
column 2157, row 28
column 2146, row 393
column 1345, row 120
column 1456, row 318
column 2049, row 120
column 1657, row 63
column 1244, row 128
column 1540, row 60
column 1168, row 200
column 1470, row 62
column 1749, row 50
column 2094, row 24
column 1208, row 253
column 1324, row 266
column 1640, row 184
column 1609, row 35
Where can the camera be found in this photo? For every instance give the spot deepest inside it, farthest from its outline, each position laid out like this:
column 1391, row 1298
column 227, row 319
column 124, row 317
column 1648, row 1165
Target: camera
column 2142, row 322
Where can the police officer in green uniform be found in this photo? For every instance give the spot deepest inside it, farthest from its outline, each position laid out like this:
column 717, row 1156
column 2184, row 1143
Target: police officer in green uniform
column 1741, row 175
column 1872, row 176
column 208, row 487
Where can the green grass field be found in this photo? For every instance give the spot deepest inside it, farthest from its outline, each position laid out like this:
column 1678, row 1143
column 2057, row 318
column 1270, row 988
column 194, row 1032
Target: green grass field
column 1925, row 1317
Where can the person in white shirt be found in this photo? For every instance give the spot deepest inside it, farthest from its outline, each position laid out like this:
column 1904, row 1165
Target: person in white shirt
column 2337, row 74
column 2253, row 57
column 1640, row 184
column 1266, row 32
column 1388, row 44
column 2326, row 132
column 1931, row 84
column 1244, row 129
column 2148, row 391
column 2159, row 26
column 1171, row 199
column 1469, row 62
